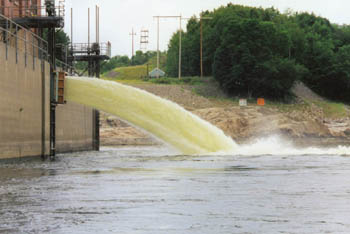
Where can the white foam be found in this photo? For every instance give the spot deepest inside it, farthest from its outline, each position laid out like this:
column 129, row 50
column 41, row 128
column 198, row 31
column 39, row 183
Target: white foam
column 274, row 145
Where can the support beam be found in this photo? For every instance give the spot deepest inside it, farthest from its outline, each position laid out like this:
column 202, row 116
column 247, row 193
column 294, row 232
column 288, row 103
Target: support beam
column 52, row 58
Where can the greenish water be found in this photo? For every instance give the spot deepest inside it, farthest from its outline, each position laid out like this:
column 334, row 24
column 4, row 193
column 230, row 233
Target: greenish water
column 162, row 118
column 151, row 190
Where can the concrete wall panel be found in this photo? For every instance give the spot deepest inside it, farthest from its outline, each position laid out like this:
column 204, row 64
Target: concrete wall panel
column 74, row 128
column 25, row 111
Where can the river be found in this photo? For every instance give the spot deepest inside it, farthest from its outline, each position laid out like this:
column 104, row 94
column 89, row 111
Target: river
column 150, row 190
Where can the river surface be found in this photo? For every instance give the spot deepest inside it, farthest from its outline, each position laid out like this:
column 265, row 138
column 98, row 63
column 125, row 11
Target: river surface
column 150, row 190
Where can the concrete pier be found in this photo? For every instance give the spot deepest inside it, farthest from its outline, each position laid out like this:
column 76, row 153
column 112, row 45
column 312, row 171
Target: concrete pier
column 24, row 110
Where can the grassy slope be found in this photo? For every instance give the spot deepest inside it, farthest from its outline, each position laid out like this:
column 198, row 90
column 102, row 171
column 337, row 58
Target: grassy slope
column 134, row 73
column 127, row 73
column 208, row 88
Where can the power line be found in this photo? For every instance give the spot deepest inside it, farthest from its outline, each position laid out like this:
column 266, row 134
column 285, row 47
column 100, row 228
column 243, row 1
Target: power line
column 180, row 38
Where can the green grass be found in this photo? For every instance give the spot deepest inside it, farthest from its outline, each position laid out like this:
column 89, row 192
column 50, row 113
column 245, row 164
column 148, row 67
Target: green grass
column 208, row 88
column 175, row 81
column 333, row 109
column 127, row 73
column 330, row 109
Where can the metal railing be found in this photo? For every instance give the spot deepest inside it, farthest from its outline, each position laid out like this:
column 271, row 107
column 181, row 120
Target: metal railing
column 66, row 67
column 22, row 39
column 33, row 11
column 92, row 48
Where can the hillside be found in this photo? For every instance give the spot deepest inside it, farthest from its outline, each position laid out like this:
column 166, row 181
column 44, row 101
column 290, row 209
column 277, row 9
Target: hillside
column 135, row 72
column 310, row 120
column 127, row 73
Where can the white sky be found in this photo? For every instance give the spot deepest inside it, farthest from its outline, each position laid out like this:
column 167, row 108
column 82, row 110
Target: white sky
column 118, row 17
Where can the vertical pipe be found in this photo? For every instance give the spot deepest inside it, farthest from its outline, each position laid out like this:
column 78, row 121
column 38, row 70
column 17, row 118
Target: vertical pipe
column 20, row 8
column 180, row 45
column 88, row 30
column 96, row 24
column 157, row 44
column 201, row 52
column 51, row 41
column 71, row 40
column 7, row 38
column 25, row 48
column 16, row 41
column 43, row 111
column 34, row 51
column 71, row 27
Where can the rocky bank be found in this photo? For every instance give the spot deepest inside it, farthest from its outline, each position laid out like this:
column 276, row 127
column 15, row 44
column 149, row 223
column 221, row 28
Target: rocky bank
column 305, row 125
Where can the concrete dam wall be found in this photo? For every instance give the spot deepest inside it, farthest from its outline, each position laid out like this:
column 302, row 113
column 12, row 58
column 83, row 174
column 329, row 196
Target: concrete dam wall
column 25, row 110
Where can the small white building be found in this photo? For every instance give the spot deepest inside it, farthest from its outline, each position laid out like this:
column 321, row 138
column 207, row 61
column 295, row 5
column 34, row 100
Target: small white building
column 156, row 73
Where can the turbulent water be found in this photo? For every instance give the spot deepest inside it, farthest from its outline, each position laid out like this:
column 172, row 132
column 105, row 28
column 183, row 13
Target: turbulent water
column 274, row 145
column 162, row 118
column 172, row 123
column 152, row 191
column 264, row 187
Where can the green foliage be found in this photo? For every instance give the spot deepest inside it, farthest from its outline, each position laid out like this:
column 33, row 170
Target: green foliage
column 249, row 63
column 61, row 37
column 114, row 62
column 170, row 80
column 261, row 52
column 128, row 73
column 81, row 65
column 141, row 58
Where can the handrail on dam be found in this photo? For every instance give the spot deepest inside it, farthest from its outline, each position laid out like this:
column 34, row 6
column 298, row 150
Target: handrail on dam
column 22, row 39
column 33, row 11
column 84, row 48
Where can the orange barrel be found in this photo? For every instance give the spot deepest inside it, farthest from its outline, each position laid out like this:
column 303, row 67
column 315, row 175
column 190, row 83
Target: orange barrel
column 261, row 102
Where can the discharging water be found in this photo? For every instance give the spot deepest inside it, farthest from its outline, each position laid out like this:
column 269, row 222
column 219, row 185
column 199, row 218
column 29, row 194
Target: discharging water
column 264, row 187
column 162, row 118
column 153, row 191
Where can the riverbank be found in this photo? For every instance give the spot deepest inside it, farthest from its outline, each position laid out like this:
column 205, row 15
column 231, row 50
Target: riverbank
column 308, row 121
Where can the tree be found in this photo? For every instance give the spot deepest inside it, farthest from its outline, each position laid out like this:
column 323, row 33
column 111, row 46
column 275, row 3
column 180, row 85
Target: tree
column 259, row 51
column 248, row 62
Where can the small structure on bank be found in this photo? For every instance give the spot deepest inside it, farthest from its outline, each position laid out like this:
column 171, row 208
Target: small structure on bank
column 155, row 73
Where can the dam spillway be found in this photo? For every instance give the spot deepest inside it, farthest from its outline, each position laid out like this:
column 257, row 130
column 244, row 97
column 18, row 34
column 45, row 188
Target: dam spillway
column 162, row 118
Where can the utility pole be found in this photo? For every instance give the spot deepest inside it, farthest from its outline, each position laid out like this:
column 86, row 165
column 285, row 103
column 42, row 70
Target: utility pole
column 180, row 47
column 158, row 45
column 132, row 34
column 201, row 41
column 180, row 39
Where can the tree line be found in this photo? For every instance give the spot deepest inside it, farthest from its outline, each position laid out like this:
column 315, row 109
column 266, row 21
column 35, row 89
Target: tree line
column 262, row 52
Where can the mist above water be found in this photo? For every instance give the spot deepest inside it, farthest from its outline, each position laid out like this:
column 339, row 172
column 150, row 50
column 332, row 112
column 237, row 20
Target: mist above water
column 275, row 145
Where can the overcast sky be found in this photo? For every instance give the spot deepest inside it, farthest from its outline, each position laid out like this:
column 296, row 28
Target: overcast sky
column 118, row 17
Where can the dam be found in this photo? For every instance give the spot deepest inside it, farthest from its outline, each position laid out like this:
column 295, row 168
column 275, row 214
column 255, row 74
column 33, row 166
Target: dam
column 32, row 121
column 36, row 119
